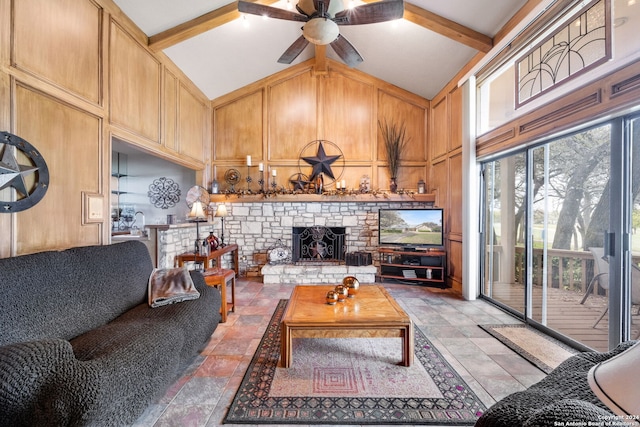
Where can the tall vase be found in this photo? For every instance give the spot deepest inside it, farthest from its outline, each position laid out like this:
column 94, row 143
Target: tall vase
column 393, row 185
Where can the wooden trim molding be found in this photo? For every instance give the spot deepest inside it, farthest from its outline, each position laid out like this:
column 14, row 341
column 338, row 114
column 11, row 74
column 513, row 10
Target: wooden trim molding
column 570, row 109
column 632, row 84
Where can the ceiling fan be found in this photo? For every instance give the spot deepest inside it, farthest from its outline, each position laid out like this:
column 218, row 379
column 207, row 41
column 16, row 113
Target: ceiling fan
column 322, row 18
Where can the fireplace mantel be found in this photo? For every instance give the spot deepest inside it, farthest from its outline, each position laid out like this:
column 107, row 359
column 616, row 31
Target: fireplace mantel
column 324, row 198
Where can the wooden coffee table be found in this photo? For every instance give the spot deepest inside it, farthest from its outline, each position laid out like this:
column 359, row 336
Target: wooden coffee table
column 372, row 313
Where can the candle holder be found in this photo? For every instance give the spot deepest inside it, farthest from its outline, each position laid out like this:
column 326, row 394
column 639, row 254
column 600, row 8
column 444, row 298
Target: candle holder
column 274, row 183
column 248, row 178
column 261, row 182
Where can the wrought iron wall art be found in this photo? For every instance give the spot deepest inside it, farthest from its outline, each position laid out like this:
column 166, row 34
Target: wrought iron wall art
column 13, row 174
column 164, row 193
column 580, row 45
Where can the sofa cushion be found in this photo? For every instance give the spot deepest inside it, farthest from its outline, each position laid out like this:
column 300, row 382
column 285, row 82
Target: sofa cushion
column 63, row 294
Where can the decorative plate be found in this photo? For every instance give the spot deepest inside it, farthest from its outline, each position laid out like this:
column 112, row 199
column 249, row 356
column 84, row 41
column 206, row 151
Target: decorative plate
column 279, row 253
column 13, row 174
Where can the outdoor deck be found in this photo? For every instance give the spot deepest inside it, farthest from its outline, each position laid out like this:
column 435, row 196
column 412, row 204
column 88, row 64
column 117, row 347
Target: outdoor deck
column 565, row 313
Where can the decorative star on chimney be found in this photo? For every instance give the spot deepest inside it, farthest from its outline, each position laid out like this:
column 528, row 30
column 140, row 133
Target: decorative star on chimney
column 321, row 163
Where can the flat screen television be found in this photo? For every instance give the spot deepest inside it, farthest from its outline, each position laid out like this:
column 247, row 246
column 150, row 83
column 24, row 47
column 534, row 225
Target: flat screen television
column 411, row 228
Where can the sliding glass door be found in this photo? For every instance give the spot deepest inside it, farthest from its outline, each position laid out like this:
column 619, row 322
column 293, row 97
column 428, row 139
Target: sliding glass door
column 569, row 214
column 504, row 225
column 550, row 214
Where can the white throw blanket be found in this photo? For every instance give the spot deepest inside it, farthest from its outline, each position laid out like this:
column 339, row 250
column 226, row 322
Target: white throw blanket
column 169, row 286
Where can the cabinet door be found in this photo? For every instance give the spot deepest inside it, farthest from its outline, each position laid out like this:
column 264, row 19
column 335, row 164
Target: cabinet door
column 192, row 125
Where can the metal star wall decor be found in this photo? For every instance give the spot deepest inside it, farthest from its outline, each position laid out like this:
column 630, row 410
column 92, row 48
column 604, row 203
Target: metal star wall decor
column 322, row 162
column 299, row 181
column 13, row 175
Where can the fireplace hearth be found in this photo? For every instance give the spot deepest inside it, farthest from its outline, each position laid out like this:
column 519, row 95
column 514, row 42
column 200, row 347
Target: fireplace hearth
column 318, row 244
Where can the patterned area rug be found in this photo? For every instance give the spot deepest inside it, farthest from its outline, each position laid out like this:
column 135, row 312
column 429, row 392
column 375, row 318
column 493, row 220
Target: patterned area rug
column 351, row 381
column 541, row 350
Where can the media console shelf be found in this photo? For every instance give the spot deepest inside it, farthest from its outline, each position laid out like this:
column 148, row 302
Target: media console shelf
column 425, row 266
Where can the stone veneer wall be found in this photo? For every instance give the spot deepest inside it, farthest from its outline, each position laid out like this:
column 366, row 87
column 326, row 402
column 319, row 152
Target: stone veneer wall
column 178, row 239
column 256, row 226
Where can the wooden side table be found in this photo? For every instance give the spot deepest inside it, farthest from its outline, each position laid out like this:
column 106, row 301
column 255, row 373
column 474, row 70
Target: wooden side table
column 223, row 277
column 214, row 255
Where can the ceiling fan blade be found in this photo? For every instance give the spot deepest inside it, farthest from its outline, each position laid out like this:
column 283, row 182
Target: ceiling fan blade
column 293, row 51
column 346, row 51
column 268, row 11
column 385, row 10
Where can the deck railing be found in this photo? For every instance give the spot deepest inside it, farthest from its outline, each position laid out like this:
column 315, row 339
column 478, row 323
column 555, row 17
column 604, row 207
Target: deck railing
column 569, row 270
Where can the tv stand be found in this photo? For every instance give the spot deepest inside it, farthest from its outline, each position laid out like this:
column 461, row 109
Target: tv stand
column 429, row 267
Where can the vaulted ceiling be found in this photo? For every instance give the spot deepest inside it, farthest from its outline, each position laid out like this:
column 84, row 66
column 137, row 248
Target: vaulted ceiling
column 221, row 50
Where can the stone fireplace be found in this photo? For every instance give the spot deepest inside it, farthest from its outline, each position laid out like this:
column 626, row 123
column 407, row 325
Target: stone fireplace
column 257, row 223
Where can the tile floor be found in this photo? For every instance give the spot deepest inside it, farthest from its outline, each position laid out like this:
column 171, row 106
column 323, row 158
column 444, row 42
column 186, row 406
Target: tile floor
column 203, row 394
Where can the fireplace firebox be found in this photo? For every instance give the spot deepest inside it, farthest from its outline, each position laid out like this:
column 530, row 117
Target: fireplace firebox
column 318, row 244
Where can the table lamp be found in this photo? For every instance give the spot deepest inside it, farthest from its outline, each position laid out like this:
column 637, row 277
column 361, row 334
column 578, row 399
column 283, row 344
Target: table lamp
column 197, row 214
column 222, row 212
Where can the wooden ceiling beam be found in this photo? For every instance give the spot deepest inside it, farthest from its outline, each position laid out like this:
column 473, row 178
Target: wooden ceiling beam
column 447, row 27
column 197, row 26
column 412, row 13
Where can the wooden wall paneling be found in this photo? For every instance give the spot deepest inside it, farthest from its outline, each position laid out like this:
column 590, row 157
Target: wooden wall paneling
column 170, row 111
column 415, row 117
column 238, row 129
column 292, row 109
column 135, row 90
column 439, row 184
column 59, row 41
column 440, row 129
column 455, row 196
column 455, row 113
column 71, row 143
column 193, row 124
column 348, row 115
column 454, row 268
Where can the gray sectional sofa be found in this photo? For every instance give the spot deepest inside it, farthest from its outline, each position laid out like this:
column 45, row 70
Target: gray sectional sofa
column 79, row 343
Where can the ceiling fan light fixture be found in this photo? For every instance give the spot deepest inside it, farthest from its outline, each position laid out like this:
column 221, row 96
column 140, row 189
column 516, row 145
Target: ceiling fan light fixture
column 320, row 31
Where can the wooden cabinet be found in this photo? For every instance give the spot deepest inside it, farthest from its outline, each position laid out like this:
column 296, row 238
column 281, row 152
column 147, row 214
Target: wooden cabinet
column 429, row 267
